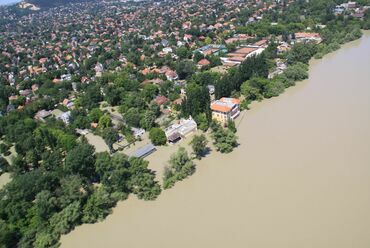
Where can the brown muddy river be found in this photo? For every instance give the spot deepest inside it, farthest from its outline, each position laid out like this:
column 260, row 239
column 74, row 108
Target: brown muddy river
column 300, row 178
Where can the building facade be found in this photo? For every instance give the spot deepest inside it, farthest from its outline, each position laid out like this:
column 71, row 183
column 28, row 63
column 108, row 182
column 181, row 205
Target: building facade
column 225, row 109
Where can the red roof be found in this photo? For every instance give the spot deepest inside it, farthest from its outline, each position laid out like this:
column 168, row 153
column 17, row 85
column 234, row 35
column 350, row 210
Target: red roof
column 204, row 62
column 160, row 100
column 245, row 50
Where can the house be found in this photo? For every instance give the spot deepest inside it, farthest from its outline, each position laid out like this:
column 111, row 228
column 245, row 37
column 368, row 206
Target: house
column 188, row 37
column 211, row 49
column 241, row 54
column 160, row 100
column 65, row 117
column 283, row 47
column 167, row 50
column 171, row 75
column 66, row 77
column 68, row 103
column 225, row 109
column 238, row 38
column 165, row 43
column 203, row 63
column 25, row 93
column 99, row 69
column 35, row 87
column 261, row 43
column 181, row 129
column 156, row 81
column 42, row 115
column 308, row 37
column 137, row 132
column 10, row 107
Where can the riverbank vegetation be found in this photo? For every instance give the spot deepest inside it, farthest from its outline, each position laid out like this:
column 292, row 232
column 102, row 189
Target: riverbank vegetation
column 224, row 140
column 58, row 194
column 180, row 167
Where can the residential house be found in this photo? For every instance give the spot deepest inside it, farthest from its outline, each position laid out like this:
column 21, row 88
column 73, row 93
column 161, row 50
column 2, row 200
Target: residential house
column 160, row 100
column 203, row 63
column 171, row 75
column 137, row 132
column 65, row 117
column 42, row 115
column 225, row 109
column 180, row 130
column 308, row 37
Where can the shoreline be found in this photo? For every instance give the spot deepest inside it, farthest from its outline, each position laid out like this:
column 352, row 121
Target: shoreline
column 132, row 204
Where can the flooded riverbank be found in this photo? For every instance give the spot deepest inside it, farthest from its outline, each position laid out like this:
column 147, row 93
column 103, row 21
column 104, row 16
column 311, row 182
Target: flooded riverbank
column 300, row 177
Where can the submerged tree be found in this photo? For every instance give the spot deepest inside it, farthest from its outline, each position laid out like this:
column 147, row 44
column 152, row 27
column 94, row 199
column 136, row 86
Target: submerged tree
column 180, row 167
column 199, row 145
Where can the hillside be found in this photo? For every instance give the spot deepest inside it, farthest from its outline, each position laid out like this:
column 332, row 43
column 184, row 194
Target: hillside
column 54, row 3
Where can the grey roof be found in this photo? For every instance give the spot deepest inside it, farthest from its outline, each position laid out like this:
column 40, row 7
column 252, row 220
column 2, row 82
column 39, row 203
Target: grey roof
column 144, row 151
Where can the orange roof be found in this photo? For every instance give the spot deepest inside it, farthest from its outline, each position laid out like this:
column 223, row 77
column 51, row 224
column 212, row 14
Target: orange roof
column 307, row 35
column 220, row 108
column 204, row 62
column 260, row 43
column 245, row 50
column 233, row 100
column 225, row 104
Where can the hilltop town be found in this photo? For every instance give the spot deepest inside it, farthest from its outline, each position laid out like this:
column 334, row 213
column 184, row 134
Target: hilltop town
column 89, row 89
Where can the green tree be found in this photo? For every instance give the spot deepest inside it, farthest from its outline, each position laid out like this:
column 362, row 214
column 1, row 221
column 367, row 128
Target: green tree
column 199, row 145
column 224, row 139
column 231, row 126
column 142, row 180
column 297, row 72
column 110, row 136
column 71, row 190
column 65, row 220
column 132, row 117
column 197, row 101
column 185, row 68
column 180, row 167
column 147, row 120
column 105, row 121
column 80, row 160
column 157, row 136
column 95, row 115
column 45, row 204
column 4, row 165
column 98, row 206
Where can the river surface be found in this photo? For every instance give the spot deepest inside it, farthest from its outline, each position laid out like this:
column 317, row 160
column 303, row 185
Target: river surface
column 300, row 178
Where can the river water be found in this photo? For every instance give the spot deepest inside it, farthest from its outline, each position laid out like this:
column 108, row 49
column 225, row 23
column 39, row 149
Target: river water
column 300, row 178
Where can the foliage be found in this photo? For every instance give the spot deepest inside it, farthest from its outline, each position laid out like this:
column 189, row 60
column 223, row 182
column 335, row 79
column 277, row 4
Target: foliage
column 297, row 72
column 185, row 69
column 105, row 121
column 98, row 206
column 80, row 160
column 199, row 145
column 180, row 167
column 110, row 136
column 157, row 136
column 197, row 101
column 224, row 139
